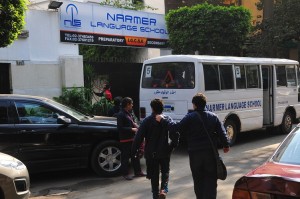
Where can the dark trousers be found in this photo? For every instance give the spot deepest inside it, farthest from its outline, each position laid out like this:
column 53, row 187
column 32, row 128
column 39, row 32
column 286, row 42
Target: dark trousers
column 161, row 165
column 204, row 172
column 126, row 155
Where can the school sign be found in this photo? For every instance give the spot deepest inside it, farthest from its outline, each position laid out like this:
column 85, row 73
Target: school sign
column 103, row 25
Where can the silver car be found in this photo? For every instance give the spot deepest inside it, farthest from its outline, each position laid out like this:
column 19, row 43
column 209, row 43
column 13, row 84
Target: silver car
column 14, row 178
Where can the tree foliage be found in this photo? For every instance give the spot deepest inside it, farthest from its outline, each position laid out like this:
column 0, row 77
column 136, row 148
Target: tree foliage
column 195, row 2
column 126, row 4
column 208, row 29
column 76, row 98
column 12, row 20
column 274, row 36
column 95, row 53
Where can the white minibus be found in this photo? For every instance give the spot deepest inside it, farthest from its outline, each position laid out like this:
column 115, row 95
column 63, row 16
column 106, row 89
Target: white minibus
column 246, row 93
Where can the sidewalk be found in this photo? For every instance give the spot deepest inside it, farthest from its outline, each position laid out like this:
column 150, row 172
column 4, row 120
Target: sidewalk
column 53, row 194
column 48, row 197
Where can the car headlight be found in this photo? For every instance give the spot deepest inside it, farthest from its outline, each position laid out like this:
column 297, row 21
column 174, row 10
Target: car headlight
column 18, row 165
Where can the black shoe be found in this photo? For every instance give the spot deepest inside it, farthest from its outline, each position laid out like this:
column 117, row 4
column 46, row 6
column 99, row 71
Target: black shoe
column 128, row 177
column 140, row 174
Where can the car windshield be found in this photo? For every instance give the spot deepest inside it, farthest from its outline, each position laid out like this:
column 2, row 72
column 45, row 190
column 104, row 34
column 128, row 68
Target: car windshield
column 68, row 110
column 289, row 151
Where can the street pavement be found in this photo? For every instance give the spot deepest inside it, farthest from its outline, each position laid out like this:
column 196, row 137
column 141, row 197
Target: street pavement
column 244, row 156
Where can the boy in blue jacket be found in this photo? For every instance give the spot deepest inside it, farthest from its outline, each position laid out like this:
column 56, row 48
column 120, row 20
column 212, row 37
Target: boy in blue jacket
column 159, row 144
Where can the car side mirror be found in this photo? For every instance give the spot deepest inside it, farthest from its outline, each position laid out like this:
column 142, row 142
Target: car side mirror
column 63, row 120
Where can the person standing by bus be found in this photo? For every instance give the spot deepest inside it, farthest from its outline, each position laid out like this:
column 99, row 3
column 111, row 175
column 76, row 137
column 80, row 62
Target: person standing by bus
column 113, row 111
column 105, row 92
column 157, row 149
column 127, row 129
column 201, row 156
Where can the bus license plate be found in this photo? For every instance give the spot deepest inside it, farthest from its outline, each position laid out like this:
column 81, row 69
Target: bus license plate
column 168, row 108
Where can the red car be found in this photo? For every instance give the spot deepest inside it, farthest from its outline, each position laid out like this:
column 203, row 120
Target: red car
column 278, row 178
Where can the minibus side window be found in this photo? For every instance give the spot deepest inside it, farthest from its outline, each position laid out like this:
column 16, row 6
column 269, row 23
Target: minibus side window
column 291, row 76
column 298, row 77
column 211, row 77
column 240, row 76
column 252, row 74
column 226, row 77
column 281, row 76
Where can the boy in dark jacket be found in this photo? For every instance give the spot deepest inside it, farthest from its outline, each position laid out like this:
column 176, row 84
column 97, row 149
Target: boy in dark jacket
column 201, row 156
column 127, row 129
column 158, row 149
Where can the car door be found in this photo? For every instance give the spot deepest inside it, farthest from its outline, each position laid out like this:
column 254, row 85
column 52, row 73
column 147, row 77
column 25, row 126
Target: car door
column 8, row 133
column 45, row 144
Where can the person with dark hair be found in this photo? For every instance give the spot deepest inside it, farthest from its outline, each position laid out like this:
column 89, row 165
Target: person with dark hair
column 112, row 112
column 201, row 153
column 127, row 129
column 157, row 149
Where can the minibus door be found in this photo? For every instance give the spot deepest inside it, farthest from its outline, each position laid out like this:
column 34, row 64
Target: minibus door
column 267, row 83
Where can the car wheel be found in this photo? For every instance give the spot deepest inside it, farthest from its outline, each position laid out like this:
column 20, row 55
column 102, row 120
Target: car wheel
column 287, row 122
column 231, row 131
column 106, row 158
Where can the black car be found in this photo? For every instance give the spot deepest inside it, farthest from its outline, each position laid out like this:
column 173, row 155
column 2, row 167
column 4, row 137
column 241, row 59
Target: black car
column 46, row 136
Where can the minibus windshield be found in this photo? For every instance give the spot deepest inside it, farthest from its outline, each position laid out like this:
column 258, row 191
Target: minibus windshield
column 176, row 75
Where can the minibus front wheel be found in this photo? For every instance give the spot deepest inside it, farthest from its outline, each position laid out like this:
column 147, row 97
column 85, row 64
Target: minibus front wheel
column 231, row 131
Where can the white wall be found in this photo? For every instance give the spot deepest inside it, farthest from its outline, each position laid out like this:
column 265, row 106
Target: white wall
column 44, row 38
column 43, row 41
column 37, row 79
column 148, row 53
column 12, row 52
column 72, row 70
column 47, row 61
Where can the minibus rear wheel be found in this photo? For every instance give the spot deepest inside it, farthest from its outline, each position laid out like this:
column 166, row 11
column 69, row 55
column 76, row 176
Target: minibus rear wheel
column 287, row 122
column 231, row 131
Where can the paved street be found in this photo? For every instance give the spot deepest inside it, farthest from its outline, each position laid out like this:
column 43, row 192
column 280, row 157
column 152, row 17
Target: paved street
column 251, row 150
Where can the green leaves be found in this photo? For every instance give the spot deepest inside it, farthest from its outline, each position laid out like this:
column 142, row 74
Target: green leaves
column 275, row 36
column 208, row 29
column 126, row 4
column 75, row 98
column 12, row 20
